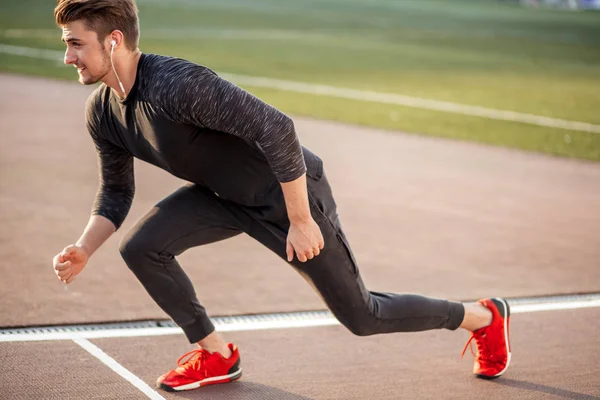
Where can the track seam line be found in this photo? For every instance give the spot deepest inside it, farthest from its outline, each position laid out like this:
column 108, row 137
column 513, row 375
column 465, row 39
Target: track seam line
column 241, row 323
column 118, row 368
column 360, row 95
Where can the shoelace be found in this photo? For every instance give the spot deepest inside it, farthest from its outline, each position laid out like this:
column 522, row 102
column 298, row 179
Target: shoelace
column 194, row 360
column 483, row 349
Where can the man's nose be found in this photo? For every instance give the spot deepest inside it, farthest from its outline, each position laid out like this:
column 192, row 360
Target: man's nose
column 69, row 57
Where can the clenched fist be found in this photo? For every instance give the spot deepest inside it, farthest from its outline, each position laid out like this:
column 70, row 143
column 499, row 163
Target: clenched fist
column 305, row 239
column 69, row 262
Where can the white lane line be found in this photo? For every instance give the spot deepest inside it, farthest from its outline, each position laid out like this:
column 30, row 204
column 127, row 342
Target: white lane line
column 570, row 305
column 138, row 332
column 119, row 369
column 322, row 320
column 108, row 333
column 361, row 95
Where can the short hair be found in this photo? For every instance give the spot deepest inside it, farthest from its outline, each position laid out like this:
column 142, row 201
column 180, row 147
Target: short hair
column 102, row 17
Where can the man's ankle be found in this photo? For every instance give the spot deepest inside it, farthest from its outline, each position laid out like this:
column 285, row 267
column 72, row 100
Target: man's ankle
column 224, row 351
column 214, row 343
column 476, row 317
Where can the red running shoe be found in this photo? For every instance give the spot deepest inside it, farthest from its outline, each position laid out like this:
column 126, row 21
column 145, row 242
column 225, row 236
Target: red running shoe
column 200, row 368
column 492, row 341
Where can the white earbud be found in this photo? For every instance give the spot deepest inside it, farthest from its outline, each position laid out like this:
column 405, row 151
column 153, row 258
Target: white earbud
column 113, row 43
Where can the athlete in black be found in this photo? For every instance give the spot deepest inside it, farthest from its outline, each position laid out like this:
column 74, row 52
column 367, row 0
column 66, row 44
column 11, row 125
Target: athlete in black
column 247, row 173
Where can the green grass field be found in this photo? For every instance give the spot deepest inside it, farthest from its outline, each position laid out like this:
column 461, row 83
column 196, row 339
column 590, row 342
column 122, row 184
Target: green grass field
column 482, row 53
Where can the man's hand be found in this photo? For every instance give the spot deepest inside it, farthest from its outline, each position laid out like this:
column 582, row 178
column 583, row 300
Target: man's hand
column 306, row 239
column 69, row 262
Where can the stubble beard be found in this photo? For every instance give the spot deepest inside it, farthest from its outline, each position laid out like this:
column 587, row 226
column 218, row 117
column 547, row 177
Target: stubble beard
column 105, row 69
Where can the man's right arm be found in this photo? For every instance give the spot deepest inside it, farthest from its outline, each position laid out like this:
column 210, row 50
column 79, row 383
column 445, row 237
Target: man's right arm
column 115, row 169
column 114, row 196
column 113, row 199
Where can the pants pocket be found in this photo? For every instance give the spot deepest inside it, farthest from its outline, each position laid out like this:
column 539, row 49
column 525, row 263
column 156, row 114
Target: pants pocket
column 347, row 252
column 314, row 165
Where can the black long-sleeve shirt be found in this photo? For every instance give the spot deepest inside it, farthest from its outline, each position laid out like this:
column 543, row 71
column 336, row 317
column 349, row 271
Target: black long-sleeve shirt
column 185, row 119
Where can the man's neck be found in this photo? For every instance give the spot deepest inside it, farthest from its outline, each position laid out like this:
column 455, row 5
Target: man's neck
column 126, row 67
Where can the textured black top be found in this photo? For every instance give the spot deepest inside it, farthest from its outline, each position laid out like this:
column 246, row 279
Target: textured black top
column 183, row 118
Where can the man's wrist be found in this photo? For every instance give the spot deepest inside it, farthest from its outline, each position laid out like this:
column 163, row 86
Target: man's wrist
column 85, row 248
column 300, row 219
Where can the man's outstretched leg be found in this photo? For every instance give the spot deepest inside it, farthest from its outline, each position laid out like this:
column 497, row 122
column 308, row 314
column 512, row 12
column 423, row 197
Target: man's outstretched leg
column 190, row 217
column 334, row 274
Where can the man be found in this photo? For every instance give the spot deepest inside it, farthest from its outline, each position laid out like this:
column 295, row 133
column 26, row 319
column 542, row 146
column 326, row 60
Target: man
column 247, row 172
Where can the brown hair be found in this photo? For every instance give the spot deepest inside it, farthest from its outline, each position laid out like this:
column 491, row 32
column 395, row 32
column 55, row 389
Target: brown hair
column 102, row 17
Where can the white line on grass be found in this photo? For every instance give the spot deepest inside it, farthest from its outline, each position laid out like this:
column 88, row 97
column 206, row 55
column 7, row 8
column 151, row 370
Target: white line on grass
column 186, row 33
column 361, row 95
column 413, row 102
column 327, row 320
column 44, row 54
column 118, row 368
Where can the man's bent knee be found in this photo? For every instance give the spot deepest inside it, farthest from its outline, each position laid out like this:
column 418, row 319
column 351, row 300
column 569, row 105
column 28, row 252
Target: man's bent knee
column 132, row 248
column 361, row 327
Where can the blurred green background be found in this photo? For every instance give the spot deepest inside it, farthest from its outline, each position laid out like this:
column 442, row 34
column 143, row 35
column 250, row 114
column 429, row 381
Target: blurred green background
column 483, row 53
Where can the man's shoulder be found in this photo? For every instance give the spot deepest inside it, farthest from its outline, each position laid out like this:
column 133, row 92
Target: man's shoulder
column 172, row 84
column 165, row 72
column 156, row 63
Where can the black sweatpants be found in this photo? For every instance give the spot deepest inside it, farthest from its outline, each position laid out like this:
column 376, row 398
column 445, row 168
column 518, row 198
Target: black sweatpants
column 194, row 216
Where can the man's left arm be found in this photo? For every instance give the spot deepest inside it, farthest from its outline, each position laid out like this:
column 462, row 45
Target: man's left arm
column 304, row 236
column 198, row 96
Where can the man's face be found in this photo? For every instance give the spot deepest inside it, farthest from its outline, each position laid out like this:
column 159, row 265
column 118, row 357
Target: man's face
column 86, row 53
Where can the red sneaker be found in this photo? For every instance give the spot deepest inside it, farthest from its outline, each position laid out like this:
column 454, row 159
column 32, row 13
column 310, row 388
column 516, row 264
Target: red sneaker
column 201, row 368
column 492, row 341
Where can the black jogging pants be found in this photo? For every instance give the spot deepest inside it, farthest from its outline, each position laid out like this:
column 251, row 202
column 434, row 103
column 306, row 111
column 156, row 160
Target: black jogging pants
column 194, row 216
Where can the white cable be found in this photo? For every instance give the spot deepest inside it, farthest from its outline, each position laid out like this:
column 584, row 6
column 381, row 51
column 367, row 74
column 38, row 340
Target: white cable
column 112, row 48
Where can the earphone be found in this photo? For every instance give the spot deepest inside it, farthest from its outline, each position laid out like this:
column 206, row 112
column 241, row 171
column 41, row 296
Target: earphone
column 113, row 43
